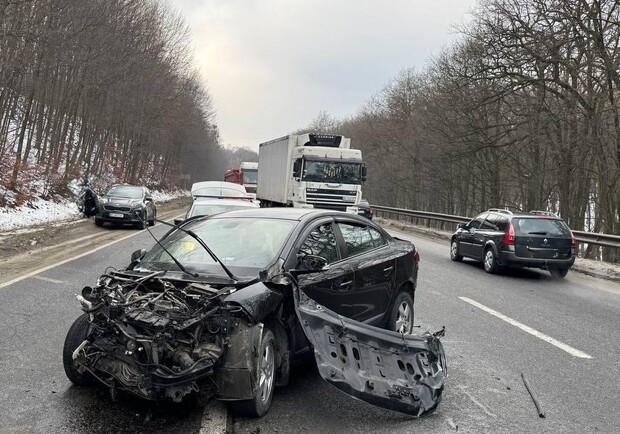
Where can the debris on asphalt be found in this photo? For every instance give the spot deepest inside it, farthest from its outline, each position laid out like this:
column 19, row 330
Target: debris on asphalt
column 541, row 413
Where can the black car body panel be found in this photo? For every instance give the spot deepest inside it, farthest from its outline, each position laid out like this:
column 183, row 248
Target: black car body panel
column 167, row 333
column 404, row 373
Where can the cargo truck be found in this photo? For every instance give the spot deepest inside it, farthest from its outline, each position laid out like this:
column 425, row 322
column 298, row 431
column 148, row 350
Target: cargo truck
column 310, row 171
column 245, row 175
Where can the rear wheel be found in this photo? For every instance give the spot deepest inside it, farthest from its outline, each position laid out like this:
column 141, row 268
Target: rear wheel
column 454, row 251
column 140, row 224
column 401, row 316
column 558, row 272
column 152, row 221
column 75, row 336
column 259, row 405
column 490, row 261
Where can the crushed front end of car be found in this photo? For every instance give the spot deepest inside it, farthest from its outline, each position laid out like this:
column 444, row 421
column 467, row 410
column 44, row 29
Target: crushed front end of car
column 156, row 337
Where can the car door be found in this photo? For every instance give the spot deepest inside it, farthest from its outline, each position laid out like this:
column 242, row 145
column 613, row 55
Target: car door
column 373, row 262
column 400, row 372
column 466, row 239
column 334, row 287
column 481, row 235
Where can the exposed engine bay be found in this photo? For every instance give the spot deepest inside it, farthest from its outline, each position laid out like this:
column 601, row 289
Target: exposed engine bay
column 154, row 337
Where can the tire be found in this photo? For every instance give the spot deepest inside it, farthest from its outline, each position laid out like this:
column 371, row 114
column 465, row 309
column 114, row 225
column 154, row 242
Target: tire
column 454, row 249
column 140, row 225
column 75, row 336
column 98, row 222
column 152, row 221
column 402, row 313
column 490, row 261
column 266, row 378
column 558, row 272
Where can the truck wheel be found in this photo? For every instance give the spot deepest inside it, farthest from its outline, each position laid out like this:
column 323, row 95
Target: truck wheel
column 75, row 336
column 265, row 380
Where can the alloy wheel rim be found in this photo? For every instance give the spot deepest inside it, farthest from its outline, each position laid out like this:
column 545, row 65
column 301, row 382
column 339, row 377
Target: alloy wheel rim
column 454, row 249
column 488, row 260
column 265, row 382
column 404, row 319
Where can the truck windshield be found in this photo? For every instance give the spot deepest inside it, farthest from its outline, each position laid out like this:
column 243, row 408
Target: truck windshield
column 332, row 171
column 250, row 176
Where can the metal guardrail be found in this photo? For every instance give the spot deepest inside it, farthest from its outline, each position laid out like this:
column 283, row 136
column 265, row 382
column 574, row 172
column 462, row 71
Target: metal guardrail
column 581, row 236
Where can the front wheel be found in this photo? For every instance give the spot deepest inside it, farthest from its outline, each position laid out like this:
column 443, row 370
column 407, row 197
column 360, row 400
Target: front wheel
column 454, row 251
column 259, row 405
column 558, row 272
column 401, row 316
column 75, row 336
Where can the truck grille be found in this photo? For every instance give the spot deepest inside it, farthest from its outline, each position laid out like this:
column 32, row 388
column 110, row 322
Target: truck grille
column 330, row 199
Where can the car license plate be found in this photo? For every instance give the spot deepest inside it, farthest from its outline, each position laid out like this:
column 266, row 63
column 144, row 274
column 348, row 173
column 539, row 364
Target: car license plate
column 116, row 215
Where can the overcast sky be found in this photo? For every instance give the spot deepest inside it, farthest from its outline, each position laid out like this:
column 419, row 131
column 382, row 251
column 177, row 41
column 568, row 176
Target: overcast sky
column 272, row 65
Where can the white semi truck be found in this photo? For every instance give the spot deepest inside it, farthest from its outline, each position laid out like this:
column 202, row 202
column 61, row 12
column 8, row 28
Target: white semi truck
column 310, row 171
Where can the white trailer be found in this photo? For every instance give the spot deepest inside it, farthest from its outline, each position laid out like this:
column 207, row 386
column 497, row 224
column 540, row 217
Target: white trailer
column 310, row 171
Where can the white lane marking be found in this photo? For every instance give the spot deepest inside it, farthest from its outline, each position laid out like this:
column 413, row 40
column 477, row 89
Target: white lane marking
column 81, row 255
column 564, row 347
column 47, row 279
column 214, row 418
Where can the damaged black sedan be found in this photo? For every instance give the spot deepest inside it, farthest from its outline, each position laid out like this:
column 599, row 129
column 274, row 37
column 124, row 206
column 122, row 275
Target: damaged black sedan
column 221, row 305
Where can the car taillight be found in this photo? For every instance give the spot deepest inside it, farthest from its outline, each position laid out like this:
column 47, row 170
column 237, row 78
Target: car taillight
column 573, row 241
column 509, row 237
column 416, row 256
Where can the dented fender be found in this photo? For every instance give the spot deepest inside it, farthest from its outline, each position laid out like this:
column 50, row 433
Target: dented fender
column 404, row 373
column 257, row 300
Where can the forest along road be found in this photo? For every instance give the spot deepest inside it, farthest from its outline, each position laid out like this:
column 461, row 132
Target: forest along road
column 486, row 355
column 563, row 335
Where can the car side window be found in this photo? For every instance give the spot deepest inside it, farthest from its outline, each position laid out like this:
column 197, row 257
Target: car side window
column 321, row 242
column 502, row 223
column 489, row 223
column 475, row 223
column 359, row 238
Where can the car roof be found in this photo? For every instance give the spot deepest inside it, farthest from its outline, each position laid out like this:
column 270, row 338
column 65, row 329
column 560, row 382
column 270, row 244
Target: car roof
column 215, row 201
column 288, row 214
column 217, row 184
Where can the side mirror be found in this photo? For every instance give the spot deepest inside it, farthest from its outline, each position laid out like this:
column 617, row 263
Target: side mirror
column 364, row 172
column 461, row 226
column 148, row 199
column 177, row 222
column 313, row 262
column 138, row 255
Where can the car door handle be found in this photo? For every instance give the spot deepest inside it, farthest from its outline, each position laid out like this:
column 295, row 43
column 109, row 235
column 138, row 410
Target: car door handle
column 388, row 270
column 345, row 284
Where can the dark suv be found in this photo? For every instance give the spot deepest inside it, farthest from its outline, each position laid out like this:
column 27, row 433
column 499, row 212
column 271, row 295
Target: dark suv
column 499, row 238
column 127, row 204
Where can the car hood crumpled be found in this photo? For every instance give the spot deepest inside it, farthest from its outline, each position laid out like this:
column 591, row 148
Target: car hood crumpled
column 399, row 372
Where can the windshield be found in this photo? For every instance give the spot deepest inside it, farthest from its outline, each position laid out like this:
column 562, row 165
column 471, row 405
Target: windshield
column 125, row 192
column 210, row 209
column 245, row 245
column 250, row 176
column 218, row 192
column 540, row 226
column 332, row 171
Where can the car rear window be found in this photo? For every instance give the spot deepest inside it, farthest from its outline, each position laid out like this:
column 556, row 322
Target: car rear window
column 540, row 226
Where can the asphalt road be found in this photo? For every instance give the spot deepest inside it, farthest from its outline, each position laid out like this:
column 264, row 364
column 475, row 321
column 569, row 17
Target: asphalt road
column 486, row 356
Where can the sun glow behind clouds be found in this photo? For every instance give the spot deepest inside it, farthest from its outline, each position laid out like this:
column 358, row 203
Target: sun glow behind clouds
column 272, row 65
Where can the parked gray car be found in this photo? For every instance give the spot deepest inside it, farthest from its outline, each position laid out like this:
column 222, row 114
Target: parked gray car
column 127, row 204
